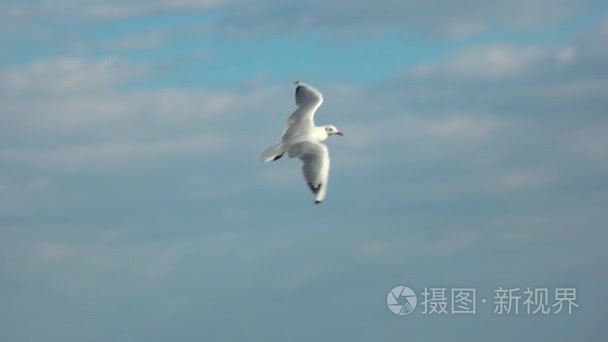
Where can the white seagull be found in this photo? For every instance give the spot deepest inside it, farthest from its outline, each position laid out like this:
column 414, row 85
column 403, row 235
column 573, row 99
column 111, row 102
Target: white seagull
column 302, row 139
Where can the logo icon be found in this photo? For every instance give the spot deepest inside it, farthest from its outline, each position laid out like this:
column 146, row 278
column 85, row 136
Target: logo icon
column 401, row 300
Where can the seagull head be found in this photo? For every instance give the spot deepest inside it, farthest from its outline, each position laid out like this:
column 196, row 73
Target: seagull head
column 332, row 130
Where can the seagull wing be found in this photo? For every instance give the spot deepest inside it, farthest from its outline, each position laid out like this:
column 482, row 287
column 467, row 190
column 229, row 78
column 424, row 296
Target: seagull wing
column 315, row 166
column 308, row 100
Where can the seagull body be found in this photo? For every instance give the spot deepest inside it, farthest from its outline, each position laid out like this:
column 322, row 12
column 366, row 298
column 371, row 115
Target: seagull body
column 303, row 139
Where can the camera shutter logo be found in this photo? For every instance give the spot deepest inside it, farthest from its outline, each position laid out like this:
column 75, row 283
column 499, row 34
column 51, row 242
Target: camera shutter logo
column 401, row 300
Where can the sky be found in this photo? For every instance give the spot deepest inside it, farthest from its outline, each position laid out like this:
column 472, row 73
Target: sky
column 134, row 207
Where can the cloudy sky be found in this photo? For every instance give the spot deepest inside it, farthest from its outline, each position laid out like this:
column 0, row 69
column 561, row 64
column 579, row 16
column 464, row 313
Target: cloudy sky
column 133, row 206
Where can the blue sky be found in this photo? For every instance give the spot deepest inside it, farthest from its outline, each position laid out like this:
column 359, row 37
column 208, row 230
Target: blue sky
column 133, row 206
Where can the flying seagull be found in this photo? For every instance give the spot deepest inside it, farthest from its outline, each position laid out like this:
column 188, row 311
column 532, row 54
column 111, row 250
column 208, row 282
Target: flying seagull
column 302, row 139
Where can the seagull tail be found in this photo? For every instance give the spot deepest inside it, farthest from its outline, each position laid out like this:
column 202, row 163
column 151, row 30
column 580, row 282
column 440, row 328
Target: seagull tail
column 273, row 153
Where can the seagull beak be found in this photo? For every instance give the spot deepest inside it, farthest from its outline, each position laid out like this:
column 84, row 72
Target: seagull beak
column 340, row 133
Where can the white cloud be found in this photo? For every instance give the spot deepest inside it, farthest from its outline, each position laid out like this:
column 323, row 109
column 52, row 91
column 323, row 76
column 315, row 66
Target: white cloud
column 452, row 128
column 493, row 62
column 66, row 75
column 15, row 192
column 107, row 154
column 92, row 259
column 465, row 29
column 590, row 144
column 147, row 40
column 566, row 55
column 419, row 246
column 455, row 19
column 604, row 27
column 235, row 18
column 66, row 113
column 21, row 12
column 524, row 179
column 118, row 9
column 50, row 252
column 460, row 127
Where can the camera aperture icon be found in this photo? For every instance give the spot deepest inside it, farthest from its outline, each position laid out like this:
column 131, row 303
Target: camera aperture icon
column 401, row 300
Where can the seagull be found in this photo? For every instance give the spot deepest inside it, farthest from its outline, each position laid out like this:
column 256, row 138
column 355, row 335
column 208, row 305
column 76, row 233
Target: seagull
column 303, row 139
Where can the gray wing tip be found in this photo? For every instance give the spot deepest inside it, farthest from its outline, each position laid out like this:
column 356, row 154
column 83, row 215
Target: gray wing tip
column 318, row 202
column 299, row 86
column 314, row 189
